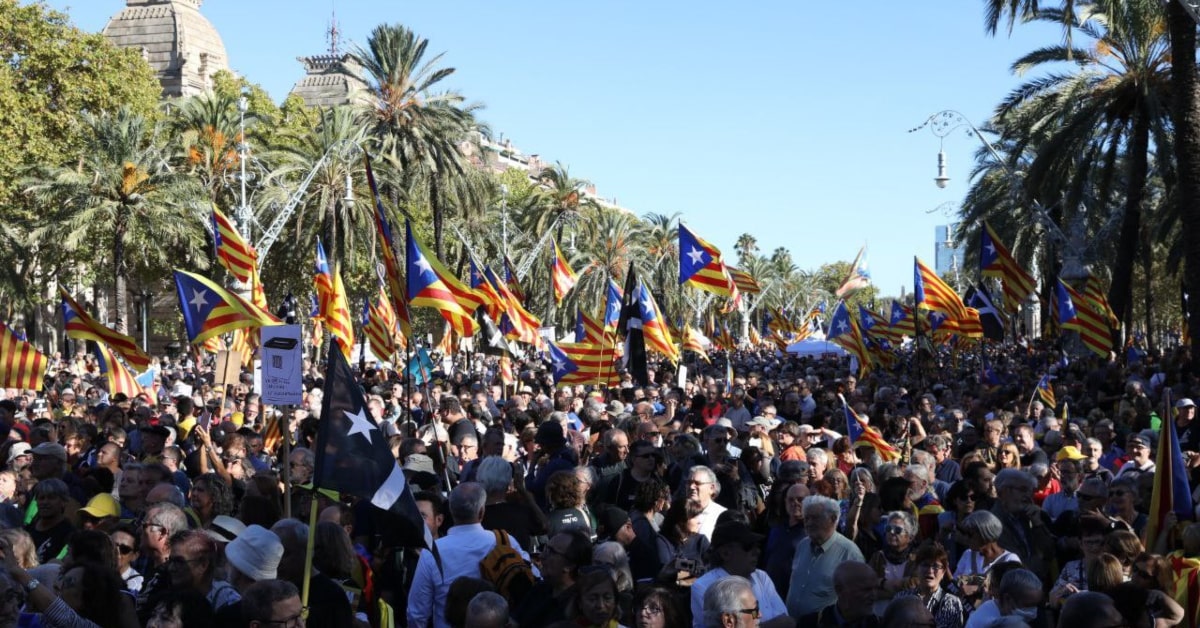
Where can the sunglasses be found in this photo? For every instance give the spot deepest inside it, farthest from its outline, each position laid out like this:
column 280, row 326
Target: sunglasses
column 124, row 550
column 895, row 530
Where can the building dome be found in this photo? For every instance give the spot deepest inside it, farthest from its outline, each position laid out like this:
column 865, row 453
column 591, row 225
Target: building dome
column 178, row 42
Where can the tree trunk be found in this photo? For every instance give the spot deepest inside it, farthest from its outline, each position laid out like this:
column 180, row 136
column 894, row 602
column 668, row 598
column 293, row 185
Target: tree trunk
column 1120, row 293
column 1185, row 110
column 1148, row 295
column 120, row 298
column 435, row 208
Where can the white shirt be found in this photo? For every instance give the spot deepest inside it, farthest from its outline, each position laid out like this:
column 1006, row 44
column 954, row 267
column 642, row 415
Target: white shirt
column 708, row 518
column 769, row 602
column 461, row 550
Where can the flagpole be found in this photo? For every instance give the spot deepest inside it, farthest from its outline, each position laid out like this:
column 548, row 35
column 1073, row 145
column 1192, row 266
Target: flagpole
column 286, row 454
column 1029, row 406
column 308, row 551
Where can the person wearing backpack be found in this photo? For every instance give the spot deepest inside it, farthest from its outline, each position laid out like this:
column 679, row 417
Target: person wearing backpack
column 467, row 550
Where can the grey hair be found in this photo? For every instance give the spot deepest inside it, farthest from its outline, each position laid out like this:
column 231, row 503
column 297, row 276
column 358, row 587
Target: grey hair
column 310, row 458
column 865, row 474
column 487, row 608
column 1095, row 442
column 613, row 554
column 984, row 525
column 466, row 502
column 918, row 469
column 467, row 436
column 560, row 417
column 923, row 458
column 817, row 453
column 821, row 506
column 712, row 477
column 724, row 596
column 908, row 521
column 1014, row 477
column 169, row 516
column 260, row 597
column 292, row 533
column 1019, row 580
column 611, row 435
column 495, row 474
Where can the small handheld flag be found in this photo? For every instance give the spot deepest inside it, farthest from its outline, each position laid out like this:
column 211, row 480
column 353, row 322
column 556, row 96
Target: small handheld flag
column 863, row 435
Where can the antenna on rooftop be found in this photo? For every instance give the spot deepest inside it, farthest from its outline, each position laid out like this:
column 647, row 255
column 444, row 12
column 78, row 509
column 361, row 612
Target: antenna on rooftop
column 333, row 35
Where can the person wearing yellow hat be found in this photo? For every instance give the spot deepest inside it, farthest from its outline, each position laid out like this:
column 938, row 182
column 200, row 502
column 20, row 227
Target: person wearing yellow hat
column 1070, row 476
column 101, row 513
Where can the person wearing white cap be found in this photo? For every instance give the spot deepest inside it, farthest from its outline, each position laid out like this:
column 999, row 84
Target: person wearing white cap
column 253, row 556
column 1186, row 426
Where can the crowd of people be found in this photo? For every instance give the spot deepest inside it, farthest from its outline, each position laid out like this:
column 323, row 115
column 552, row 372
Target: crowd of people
column 694, row 501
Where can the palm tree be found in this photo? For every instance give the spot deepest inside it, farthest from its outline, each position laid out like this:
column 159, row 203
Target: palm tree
column 123, row 201
column 323, row 213
column 421, row 129
column 207, row 131
column 745, row 247
column 1185, row 116
column 1101, row 120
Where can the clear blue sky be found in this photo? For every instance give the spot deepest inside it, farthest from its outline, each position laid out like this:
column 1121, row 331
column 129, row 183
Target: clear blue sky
column 783, row 119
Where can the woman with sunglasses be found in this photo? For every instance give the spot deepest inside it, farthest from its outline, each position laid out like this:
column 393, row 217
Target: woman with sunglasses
column 891, row 562
column 959, row 504
column 125, row 541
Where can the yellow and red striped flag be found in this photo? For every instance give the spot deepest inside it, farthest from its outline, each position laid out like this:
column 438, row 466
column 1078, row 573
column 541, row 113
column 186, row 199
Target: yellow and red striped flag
column 563, row 276
column 506, row 371
column 21, row 365
column 81, row 326
column 243, row 343
column 238, row 257
column 212, row 345
column 120, row 380
column 863, row 435
column 701, row 266
column 995, row 260
column 582, row 363
column 931, row 292
column 210, row 310
column 431, row 285
column 744, row 282
column 381, row 331
column 591, row 330
column 1094, row 291
column 693, row 341
column 1076, row 311
column 516, row 322
column 331, row 298
column 391, row 266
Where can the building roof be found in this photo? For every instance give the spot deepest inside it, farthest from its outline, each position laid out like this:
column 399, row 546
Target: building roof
column 178, row 42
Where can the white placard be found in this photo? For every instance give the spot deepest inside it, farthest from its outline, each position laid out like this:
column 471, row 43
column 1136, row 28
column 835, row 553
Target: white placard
column 282, row 365
column 682, row 376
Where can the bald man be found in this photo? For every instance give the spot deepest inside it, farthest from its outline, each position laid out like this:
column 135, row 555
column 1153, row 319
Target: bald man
column 855, row 584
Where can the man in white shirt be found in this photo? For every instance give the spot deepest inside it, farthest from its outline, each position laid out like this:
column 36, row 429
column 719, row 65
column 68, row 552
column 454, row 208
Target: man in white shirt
column 464, row 545
column 702, row 488
column 734, row 552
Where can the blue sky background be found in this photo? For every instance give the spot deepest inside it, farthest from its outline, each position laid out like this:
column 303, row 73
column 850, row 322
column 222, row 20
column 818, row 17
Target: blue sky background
column 786, row 120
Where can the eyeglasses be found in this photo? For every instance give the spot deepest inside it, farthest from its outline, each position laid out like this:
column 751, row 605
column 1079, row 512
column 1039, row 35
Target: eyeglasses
column 935, row 567
column 697, row 483
column 897, row 530
column 651, row 609
column 179, row 561
column 754, row 613
column 124, row 550
column 151, row 526
column 291, row 622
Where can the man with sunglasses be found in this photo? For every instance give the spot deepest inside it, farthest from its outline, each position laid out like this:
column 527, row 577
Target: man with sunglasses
column 730, row 603
column 734, row 551
column 642, row 462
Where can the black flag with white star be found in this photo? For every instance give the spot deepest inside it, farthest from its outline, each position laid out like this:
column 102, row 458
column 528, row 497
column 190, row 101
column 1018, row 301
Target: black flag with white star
column 489, row 340
column 353, row 456
column 989, row 316
column 631, row 325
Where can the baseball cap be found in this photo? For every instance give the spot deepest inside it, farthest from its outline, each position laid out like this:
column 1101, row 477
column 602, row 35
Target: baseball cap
column 1070, row 452
column 50, row 449
column 18, row 449
column 1185, row 403
column 101, row 506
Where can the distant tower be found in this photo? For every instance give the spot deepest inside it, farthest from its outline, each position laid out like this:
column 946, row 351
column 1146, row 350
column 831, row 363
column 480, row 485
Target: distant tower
column 330, row 79
column 947, row 257
column 179, row 43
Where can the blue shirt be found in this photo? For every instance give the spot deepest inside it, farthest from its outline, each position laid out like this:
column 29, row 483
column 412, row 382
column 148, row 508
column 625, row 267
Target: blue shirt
column 811, row 588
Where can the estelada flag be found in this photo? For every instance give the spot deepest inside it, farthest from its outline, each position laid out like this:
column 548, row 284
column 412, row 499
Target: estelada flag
column 81, row 326
column 353, row 455
column 564, row 277
column 21, row 365
column 210, row 310
column 863, row 435
column 238, row 257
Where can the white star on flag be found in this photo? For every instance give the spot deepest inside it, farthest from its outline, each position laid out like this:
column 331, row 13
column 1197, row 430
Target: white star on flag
column 696, row 254
column 198, row 299
column 424, row 265
column 359, row 424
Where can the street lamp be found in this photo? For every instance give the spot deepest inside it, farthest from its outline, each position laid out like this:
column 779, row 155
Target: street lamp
column 941, row 179
column 243, row 105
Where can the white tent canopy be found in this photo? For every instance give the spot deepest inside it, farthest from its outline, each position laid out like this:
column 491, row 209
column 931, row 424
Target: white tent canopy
column 816, row 348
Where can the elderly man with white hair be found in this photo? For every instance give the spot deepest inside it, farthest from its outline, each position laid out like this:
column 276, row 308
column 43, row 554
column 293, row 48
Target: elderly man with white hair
column 811, row 587
column 730, row 603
